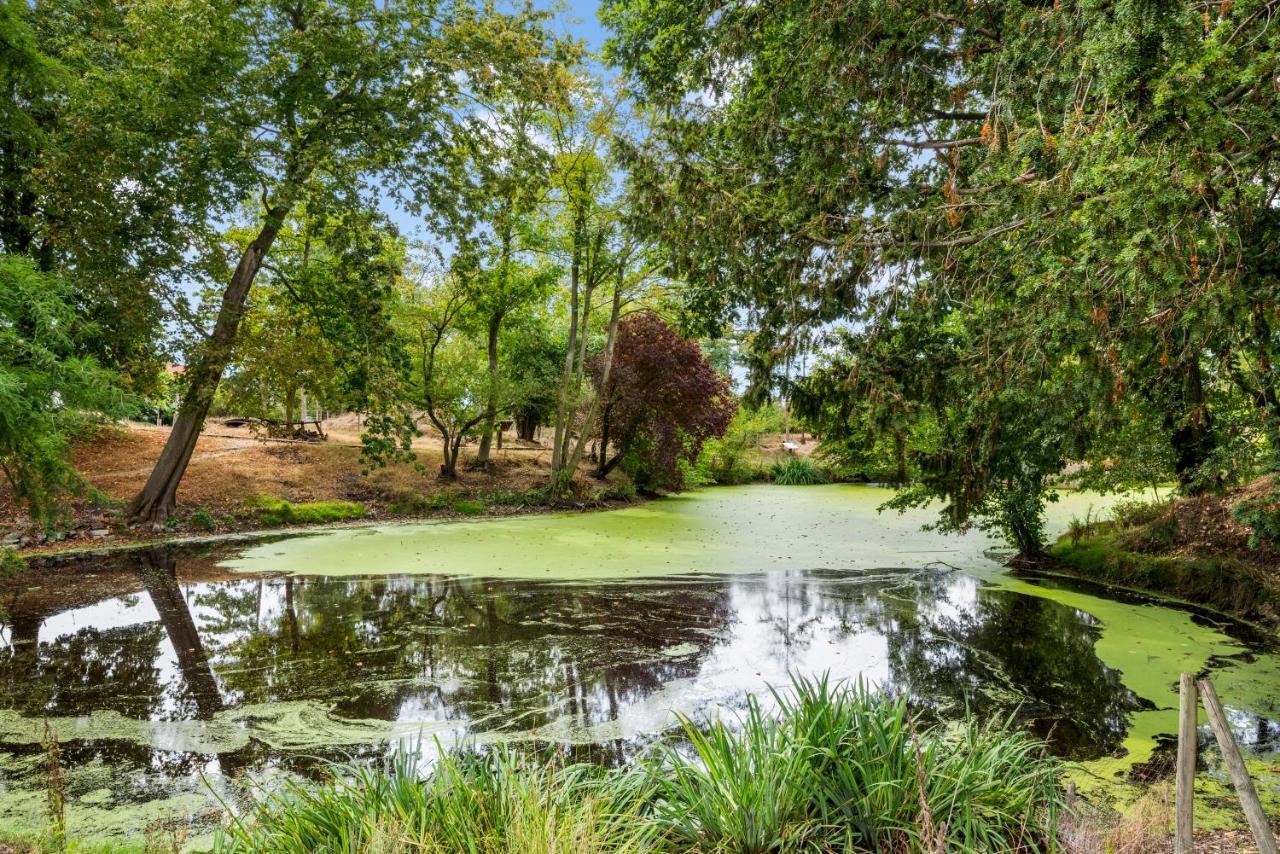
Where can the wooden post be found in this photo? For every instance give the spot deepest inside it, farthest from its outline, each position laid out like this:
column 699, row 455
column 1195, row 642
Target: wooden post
column 1262, row 835
column 1184, row 840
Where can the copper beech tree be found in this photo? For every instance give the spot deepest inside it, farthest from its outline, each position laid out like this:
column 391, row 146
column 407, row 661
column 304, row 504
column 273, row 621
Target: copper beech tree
column 661, row 401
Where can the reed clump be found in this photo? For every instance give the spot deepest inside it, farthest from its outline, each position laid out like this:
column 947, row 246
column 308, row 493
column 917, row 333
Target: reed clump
column 837, row 768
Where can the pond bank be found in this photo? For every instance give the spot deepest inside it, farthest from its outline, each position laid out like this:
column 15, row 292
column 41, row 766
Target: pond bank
column 1190, row 549
column 237, row 484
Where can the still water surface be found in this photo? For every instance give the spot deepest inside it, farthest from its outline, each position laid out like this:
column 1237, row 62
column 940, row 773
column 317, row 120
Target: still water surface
column 168, row 674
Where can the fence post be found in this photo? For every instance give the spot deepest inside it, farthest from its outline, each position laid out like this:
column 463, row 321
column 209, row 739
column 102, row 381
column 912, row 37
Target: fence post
column 1184, row 840
column 1262, row 835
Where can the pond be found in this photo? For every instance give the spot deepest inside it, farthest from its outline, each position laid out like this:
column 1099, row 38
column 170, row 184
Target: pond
column 172, row 678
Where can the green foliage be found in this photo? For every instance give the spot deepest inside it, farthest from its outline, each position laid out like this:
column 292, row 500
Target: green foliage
column 11, row 563
column 483, row 803
column 798, row 471
column 202, row 520
column 276, row 511
column 1049, row 231
column 840, row 768
column 49, row 393
column 317, row 321
column 516, row 498
column 1262, row 516
column 1218, row 582
column 728, row 459
column 623, row 490
column 1136, row 512
column 846, row 768
column 468, row 507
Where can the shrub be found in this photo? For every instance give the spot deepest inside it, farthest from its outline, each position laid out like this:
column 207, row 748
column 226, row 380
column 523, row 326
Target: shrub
column 517, row 498
column 1262, row 517
column 1134, row 513
column 728, row 460
column 276, row 511
column 404, row 500
column 623, row 490
column 797, row 471
column 469, row 508
column 11, row 563
column 202, row 520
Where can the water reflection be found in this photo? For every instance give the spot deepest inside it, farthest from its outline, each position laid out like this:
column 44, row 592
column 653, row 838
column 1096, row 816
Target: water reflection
column 160, row 637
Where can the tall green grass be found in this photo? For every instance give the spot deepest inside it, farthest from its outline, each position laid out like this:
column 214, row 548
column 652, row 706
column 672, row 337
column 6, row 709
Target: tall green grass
column 839, row 768
column 844, row 768
column 493, row 802
column 797, row 471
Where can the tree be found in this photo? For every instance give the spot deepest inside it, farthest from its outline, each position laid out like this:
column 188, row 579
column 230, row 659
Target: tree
column 48, row 391
column 535, row 355
column 509, row 168
column 661, row 400
column 318, row 318
column 1089, row 189
column 347, row 89
column 448, row 377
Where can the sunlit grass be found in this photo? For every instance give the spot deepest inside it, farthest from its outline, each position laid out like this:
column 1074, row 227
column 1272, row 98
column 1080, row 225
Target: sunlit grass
column 276, row 511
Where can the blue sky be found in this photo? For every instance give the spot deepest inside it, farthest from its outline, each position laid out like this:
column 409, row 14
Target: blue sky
column 585, row 23
column 576, row 18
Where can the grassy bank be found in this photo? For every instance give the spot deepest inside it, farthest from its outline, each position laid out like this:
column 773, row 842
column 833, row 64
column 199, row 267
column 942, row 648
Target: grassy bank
column 1191, row 549
column 839, row 768
column 1220, row 583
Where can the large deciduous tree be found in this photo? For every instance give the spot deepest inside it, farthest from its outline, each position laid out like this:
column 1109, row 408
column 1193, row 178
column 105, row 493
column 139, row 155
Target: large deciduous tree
column 351, row 90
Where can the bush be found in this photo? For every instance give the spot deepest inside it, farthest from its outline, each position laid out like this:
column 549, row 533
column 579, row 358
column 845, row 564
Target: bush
column 623, row 490
column 797, row 471
column 276, row 511
column 1134, row 513
column 11, row 563
column 1262, row 517
column 517, row 498
column 727, row 460
column 202, row 520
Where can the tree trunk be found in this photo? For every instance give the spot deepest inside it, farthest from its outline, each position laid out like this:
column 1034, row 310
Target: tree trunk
column 449, row 457
column 601, row 470
column 606, row 369
column 527, row 425
column 1191, row 428
column 491, row 408
column 288, row 410
column 159, row 496
column 900, row 456
column 563, row 407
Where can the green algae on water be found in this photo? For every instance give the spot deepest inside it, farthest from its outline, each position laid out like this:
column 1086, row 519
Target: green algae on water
column 755, row 528
column 1151, row 644
column 287, row 726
